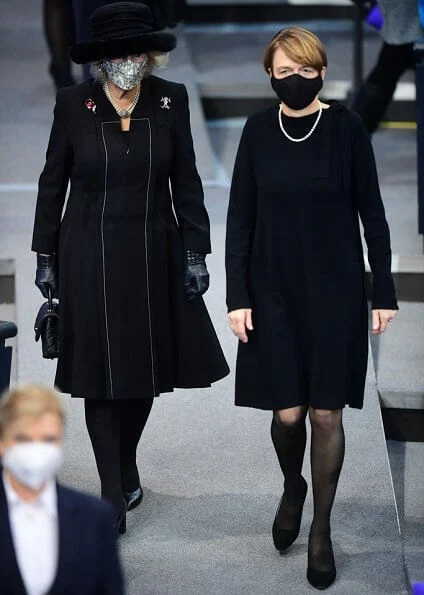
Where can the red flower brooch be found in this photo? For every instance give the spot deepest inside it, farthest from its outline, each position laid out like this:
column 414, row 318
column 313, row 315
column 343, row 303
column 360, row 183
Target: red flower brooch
column 89, row 104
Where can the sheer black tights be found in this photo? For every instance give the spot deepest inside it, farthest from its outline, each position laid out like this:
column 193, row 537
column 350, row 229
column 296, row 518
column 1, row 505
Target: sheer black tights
column 327, row 455
column 289, row 439
column 288, row 433
column 115, row 428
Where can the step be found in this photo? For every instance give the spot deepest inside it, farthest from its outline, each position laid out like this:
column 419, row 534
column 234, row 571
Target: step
column 268, row 10
column 7, row 281
column 398, row 361
column 407, row 467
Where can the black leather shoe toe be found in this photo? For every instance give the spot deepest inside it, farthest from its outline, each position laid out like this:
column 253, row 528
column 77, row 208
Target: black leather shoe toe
column 134, row 498
column 284, row 538
column 120, row 524
column 321, row 579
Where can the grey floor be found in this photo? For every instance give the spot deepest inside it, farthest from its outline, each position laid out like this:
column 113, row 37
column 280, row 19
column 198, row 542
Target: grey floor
column 211, row 478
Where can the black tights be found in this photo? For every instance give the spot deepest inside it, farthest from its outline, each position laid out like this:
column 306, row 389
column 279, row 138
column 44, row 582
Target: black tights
column 393, row 61
column 376, row 93
column 115, row 428
column 327, row 454
column 60, row 34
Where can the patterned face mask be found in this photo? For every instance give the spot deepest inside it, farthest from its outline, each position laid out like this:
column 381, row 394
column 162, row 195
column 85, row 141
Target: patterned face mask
column 126, row 74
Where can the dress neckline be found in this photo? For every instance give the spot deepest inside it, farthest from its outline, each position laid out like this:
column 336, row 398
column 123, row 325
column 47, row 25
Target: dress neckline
column 304, row 118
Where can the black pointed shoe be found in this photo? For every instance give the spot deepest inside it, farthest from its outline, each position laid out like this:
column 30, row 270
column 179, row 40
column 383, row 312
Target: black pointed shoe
column 120, row 524
column 284, row 538
column 134, row 498
column 322, row 579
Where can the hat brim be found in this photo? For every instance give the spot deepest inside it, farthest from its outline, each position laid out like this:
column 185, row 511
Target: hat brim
column 92, row 51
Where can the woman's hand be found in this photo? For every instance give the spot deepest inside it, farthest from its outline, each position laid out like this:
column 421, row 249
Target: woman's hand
column 381, row 319
column 46, row 275
column 196, row 276
column 240, row 322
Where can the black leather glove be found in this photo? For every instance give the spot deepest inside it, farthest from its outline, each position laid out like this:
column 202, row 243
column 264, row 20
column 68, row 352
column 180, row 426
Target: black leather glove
column 46, row 275
column 196, row 276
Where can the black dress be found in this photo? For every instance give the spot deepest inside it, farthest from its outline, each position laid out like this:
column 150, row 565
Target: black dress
column 135, row 204
column 294, row 255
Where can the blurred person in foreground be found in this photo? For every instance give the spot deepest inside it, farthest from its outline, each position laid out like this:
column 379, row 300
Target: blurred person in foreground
column 303, row 177
column 53, row 539
column 401, row 28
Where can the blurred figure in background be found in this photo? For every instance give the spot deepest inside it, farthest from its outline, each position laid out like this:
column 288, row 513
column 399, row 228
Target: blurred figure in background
column 401, row 27
column 53, row 540
column 82, row 11
column 60, row 32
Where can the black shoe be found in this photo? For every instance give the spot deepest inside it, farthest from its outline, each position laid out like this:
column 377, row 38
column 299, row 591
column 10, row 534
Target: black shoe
column 322, row 579
column 120, row 524
column 284, row 538
column 134, row 498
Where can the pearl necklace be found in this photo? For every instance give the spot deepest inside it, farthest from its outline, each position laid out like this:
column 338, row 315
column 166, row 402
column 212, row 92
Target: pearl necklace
column 299, row 140
column 122, row 113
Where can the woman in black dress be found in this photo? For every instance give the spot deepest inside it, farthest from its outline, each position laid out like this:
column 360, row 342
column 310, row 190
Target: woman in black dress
column 129, row 273
column 303, row 176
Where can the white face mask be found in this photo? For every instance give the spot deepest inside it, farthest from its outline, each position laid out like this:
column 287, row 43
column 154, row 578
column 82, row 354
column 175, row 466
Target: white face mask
column 33, row 463
column 126, row 74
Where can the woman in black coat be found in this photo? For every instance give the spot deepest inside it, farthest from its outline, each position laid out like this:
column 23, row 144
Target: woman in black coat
column 303, row 176
column 128, row 271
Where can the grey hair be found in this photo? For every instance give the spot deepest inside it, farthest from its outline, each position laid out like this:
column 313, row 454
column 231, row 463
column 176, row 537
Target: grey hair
column 156, row 60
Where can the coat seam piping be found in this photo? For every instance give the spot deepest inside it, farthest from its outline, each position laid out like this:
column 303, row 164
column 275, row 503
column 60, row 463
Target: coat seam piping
column 146, row 250
column 147, row 259
column 104, row 269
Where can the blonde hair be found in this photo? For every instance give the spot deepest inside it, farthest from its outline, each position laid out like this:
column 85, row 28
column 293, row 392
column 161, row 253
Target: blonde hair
column 300, row 45
column 29, row 401
column 156, row 60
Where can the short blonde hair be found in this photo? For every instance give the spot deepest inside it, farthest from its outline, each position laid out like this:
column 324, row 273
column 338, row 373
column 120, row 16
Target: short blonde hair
column 300, row 45
column 29, row 401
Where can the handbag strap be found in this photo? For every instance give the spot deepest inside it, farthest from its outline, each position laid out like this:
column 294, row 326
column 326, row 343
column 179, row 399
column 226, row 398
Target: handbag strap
column 50, row 299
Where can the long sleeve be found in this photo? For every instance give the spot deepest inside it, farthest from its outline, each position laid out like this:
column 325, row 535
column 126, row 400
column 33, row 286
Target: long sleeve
column 187, row 191
column 371, row 211
column 241, row 220
column 53, row 182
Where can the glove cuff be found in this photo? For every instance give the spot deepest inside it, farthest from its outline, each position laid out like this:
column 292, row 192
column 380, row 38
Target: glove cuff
column 194, row 257
column 45, row 261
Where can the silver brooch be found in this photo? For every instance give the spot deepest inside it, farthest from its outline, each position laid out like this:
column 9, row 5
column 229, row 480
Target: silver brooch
column 165, row 102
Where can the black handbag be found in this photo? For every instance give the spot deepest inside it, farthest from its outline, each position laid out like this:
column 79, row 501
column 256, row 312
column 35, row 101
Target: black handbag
column 47, row 327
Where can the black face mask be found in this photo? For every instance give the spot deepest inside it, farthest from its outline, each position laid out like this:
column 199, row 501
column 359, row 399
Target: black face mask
column 296, row 91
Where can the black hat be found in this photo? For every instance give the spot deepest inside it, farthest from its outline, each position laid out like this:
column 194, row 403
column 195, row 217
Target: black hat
column 121, row 29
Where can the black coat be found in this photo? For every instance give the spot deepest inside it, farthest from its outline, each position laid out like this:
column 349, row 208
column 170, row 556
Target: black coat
column 294, row 256
column 126, row 329
column 87, row 562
